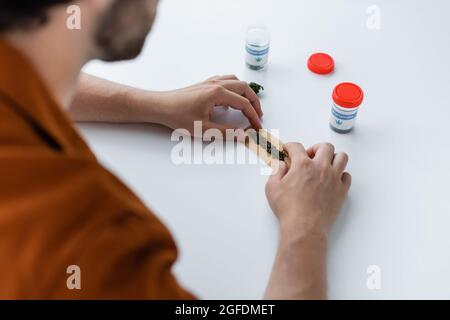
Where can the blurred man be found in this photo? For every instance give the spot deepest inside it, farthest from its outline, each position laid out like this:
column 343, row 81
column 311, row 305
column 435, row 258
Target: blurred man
column 59, row 207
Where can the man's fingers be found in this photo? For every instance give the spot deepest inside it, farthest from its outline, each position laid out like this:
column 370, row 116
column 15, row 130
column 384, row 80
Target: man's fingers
column 242, row 88
column 322, row 152
column 347, row 180
column 235, row 101
column 297, row 153
column 340, row 162
column 279, row 171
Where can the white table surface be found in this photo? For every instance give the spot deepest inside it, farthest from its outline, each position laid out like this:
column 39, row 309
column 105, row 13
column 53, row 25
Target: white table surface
column 398, row 213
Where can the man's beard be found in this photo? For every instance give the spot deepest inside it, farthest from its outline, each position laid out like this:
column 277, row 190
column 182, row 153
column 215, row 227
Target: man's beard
column 122, row 31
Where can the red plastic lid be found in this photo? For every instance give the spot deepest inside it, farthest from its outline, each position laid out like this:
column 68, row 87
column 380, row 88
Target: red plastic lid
column 348, row 95
column 321, row 63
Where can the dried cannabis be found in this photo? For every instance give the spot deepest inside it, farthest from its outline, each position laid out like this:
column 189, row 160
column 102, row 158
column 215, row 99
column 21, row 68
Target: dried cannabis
column 270, row 149
column 256, row 87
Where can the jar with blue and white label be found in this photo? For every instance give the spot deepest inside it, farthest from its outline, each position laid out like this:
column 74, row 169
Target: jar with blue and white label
column 347, row 98
column 257, row 46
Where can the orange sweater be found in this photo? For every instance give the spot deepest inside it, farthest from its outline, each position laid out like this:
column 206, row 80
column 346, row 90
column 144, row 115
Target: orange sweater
column 59, row 207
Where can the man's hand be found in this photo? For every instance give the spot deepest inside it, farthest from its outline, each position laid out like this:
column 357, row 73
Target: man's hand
column 180, row 108
column 100, row 100
column 306, row 199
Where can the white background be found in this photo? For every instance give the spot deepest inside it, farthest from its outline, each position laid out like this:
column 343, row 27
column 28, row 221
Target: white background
column 398, row 212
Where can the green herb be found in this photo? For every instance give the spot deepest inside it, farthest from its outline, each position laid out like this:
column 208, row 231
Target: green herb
column 270, row 149
column 256, row 87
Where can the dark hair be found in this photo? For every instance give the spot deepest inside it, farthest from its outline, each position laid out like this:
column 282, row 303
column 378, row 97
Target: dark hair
column 25, row 13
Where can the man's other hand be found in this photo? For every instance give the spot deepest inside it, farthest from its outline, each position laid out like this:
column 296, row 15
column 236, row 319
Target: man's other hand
column 306, row 198
column 180, row 108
